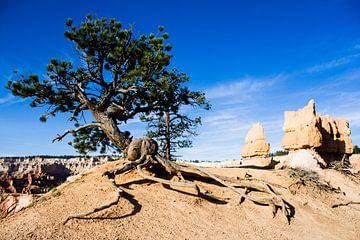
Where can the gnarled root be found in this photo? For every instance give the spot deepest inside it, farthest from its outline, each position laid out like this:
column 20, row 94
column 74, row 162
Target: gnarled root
column 344, row 204
column 143, row 154
column 275, row 201
column 98, row 209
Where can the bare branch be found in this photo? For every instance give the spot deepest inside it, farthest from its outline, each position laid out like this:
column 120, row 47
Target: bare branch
column 73, row 131
column 78, row 109
column 127, row 90
column 83, row 96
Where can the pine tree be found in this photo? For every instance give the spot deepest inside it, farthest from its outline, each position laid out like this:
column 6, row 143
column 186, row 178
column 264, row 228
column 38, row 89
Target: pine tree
column 169, row 126
column 118, row 77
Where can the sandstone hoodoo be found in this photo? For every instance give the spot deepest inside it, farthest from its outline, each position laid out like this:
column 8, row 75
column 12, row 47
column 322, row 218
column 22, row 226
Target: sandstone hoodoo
column 255, row 143
column 306, row 129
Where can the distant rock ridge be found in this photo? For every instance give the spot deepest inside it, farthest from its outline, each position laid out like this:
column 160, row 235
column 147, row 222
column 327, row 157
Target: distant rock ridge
column 16, row 166
column 37, row 175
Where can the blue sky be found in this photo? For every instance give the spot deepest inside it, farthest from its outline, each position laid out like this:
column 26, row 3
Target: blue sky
column 254, row 59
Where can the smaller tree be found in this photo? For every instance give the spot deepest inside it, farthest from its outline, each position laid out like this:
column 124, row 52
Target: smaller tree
column 279, row 153
column 169, row 126
column 356, row 149
column 172, row 131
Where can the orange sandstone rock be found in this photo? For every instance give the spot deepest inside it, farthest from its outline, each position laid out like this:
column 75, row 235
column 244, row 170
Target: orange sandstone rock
column 256, row 144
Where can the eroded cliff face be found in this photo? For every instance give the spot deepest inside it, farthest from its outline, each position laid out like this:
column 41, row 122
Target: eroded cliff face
column 38, row 174
column 15, row 166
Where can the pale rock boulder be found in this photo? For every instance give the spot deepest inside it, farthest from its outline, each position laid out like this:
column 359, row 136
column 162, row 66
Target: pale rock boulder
column 302, row 128
column 255, row 143
column 303, row 159
column 305, row 129
column 260, row 162
column 309, row 133
column 306, row 159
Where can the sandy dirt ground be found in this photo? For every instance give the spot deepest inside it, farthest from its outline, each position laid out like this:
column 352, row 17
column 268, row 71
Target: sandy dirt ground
column 150, row 210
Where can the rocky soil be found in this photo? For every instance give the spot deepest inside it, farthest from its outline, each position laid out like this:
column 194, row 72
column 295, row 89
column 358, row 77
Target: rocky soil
column 150, row 210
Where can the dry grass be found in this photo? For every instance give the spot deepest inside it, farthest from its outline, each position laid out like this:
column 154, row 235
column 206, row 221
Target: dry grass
column 345, row 169
column 309, row 179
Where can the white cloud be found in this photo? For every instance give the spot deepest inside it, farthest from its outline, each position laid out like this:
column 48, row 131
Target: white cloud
column 236, row 106
column 332, row 64
column 7, row 99
column 219, row 118
column 242, row 87
column 10, row 99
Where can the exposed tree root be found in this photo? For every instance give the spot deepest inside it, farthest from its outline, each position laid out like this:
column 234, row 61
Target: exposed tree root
column 145, row 155
column 98, row 209
column 344, row 204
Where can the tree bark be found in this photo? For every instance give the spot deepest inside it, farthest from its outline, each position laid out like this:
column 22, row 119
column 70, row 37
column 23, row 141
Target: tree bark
column 167, row 136
column 110, row 128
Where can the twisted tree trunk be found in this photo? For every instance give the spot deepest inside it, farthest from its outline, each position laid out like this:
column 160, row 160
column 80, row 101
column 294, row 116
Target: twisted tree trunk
column 110, row 128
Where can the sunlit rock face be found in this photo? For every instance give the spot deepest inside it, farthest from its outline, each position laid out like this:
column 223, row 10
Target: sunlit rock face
column 302, row 129
column 14, row 203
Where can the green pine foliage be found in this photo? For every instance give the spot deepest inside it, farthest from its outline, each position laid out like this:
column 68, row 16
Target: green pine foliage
column 356, row 149
column 181, row 131
column 279, row 153
column 119, row 75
